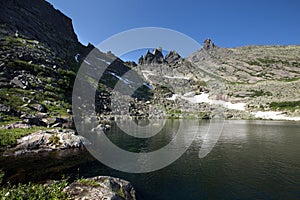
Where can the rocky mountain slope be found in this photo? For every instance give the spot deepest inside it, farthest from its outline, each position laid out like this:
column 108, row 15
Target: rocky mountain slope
column 37, row 63
column 246, row 81
column 39, row 58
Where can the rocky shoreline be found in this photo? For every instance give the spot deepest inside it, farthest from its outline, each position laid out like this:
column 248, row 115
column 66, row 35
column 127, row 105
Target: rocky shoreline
column 99, row 187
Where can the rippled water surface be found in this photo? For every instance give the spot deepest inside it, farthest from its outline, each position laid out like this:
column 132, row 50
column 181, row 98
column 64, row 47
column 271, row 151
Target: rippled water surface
column 251, row 160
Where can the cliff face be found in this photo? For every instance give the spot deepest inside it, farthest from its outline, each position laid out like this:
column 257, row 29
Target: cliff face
column 39, row 57
column 37, row 63
column 38, row 20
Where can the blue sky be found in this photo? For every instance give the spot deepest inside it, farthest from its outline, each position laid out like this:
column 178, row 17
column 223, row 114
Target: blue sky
column 229, row 23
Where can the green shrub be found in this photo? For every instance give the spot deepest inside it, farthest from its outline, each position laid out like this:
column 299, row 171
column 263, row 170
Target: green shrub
column 258, row 93
column 290, row 105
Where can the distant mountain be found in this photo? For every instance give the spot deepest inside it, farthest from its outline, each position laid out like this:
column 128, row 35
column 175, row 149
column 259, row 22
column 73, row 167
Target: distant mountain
column 261, row 78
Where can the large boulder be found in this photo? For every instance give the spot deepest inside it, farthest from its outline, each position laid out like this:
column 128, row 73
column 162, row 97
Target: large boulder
column 101, row 187
column 32, row 120
column 47, row 140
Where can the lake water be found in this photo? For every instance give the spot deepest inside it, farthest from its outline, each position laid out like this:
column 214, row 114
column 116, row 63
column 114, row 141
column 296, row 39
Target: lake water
column 251, row 160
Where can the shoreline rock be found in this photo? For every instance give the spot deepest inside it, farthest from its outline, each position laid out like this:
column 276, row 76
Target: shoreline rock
column 101, row 187
column 47, row 140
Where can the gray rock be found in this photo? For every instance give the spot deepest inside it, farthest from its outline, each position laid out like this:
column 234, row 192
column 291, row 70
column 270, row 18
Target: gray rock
column 159, row 58
column 101, row 187
column 32, row 120
column 40, row 108
column 49, row 140
column 148, row 58
column 56, row 120
column 18, row 82
column 141, row 60
column 56, row 125
column 152, row 58
column 17, row 125
column 208, row 44
column 8, row 110
column 173, row 57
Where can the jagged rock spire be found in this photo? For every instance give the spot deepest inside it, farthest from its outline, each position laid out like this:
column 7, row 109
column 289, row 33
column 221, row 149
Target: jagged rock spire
column 157, row 57
column 173, row 57
column 208, row 44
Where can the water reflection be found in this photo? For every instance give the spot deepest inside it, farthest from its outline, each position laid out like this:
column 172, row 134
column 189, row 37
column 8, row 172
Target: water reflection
column 251, row 160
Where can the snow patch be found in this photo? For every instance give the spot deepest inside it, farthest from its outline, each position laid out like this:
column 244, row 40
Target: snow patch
column 76, row 57
column 177, row 77
column 103, row 60
column 125, row 80
column 229, row 105
column 203, row 98
column 173, row 98
column 274, row 115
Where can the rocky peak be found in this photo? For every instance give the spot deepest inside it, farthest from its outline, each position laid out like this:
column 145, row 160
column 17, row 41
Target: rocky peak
column 152, row 58
column 148, row 58
column 173, row 57
column 39, row 20
column 157, row 57
column 208, row 44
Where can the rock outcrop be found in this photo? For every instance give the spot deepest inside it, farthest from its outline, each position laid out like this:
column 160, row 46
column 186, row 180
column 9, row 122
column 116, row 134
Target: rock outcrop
column 47, row 140
column 157, row 57
column 173, row 58
column 101, row 187
column 208, row 44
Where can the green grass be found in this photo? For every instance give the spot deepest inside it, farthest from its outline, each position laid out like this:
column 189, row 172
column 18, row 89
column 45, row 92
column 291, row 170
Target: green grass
column 13, row 97
column 201, row 83
column 88, row 182
column 259, row 93
column 53, row 190
column 291, row 79
column 7, row 119
column 54, row 139
column 285, row 105
column 10, row 136
column 120, row 192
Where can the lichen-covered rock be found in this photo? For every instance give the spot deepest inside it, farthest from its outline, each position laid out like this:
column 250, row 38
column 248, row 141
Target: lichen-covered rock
column 101, row 187
column 47, row 140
